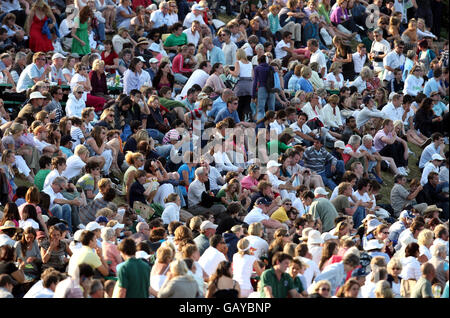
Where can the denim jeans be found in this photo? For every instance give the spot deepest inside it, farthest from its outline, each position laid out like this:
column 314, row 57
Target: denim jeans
column 358, row 216
column 264, row 98
column 100, row 32
column 63, row 212
column 327, row 181
column 155, row 134
column 180, row 78
column 164, row 151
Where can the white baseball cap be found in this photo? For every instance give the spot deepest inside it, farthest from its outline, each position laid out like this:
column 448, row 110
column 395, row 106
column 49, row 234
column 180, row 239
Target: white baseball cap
column 118, row 226
column 339, row 144
column 154, row 47
column 57, row 56
column 92, row 226
column 141, row 58
column 207, row 225
column 437, row 156
column 320, row 190
column 153, row 60
column 35, row 95
column 273, row 163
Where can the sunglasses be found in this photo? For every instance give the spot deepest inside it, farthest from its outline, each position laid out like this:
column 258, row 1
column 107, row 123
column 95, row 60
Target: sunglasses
column 79, row 92
column 324, row 289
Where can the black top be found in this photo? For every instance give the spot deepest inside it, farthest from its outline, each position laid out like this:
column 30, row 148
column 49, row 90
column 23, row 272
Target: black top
column 136, row 193
column 226, row 293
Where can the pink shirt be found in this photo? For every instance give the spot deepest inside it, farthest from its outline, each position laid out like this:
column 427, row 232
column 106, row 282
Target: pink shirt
column 111, row 253
column 377, row 142
column 248, row 182
column 38, row 209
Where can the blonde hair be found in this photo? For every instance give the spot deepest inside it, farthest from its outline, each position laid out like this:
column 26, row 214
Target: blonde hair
column 394, row 262
column 425, row 237
column 178, row 268
column 366, row 73
column 383, row 290
column 319, row 284
column 164, row 254
column 97, row 64
column 140, row 135
column 289, row 249
column 243, row 246
column 306, row 71
column 81, row 150
column 241, row 55
column 106, row 212
column 334, row 66
column 131, row 157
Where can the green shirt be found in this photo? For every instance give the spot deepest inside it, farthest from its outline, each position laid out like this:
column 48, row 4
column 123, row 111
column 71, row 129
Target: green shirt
column 134, row 275
column 298, row 284
column 322, row 208
column 39, row 178
column 280, row 288
column 422, row 289
column 281, row 146
column 173, row 40
column 171, row 104
column 341, row 203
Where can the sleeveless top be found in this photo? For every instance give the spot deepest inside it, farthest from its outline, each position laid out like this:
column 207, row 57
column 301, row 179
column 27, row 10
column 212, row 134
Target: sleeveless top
column 243, row 269
column 156, row 281
column 245, row 70
column 226, row 293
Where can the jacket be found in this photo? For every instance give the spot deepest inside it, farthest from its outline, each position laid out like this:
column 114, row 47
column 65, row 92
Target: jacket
column 171, row 213
column 231, row 239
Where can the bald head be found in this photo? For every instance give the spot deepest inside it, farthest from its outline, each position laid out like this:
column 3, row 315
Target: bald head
column 142, row 227
column 428, row 270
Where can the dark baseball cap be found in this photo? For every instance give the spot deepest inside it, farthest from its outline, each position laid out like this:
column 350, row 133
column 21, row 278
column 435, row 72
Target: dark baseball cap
column 263, row 200
column 65, row 139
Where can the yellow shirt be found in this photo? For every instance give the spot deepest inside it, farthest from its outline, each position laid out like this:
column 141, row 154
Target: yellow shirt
column 88, row 256
column 280, row 215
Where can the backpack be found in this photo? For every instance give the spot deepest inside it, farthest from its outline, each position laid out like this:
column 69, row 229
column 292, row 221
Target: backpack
column 270, row 82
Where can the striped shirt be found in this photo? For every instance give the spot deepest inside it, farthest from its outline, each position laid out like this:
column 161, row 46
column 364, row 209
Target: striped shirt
column 316, row 160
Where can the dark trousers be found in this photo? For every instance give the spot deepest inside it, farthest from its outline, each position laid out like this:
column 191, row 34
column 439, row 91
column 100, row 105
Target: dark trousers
column 244, row 108
column 395, row 151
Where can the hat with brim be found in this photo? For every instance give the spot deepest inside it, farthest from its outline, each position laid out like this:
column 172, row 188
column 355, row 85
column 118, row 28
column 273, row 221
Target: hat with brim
column 328, row 236
column 434, row 93
column 273, row 163
column 373, row 245
column 92, row 226
column 142, row 41
column 339, row 144
column 122, row 29
column 36, row 95
column 314, row 237
column 372, row 225
column 289, row 131
column 432, row 208
column 8, row 225
column 58, row 56
column 369, row 217
column 207, row 225
column 154, row 47
column 320, row 191
column 118, row 226
column 142, row 254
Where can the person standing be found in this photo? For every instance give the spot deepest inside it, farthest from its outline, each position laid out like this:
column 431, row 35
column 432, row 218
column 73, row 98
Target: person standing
column 260, row 92
column 133, row 274
column 80, row 34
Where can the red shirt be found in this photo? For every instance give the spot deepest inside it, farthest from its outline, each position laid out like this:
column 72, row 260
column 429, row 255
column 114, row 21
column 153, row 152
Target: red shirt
column 177, row 65
column 110, row 59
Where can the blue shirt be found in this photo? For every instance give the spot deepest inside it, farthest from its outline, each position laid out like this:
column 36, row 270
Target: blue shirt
column 26, row 77
column 305, row 85
column 217, row 106
column 159, row 19
column 184, row 167
column 216, row 55
column 439, row 108
column 225, row 113
column 431, row 86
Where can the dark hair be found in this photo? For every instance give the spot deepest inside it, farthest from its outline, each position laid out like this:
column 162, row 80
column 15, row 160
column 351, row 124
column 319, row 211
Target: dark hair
column 176, row 26
column 11, row 212
column 7, row 253
column 29, row 212
column 134, row 61
column 279, row 257
column 215, row 240
column 85, row 270
column 44, row 161
column 299, row 222
column 86, row 237
column 127, row 246
column 362, row 183
column 214, row 68
column 411, row 249
column 202, row 65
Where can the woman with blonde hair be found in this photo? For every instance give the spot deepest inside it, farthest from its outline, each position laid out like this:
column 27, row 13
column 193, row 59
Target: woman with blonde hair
column 179, row 284
column 409, row 36
column 322, row 289
column 244, row 263
column 135, row 161
column 425, row 241
column 394, row 268
column 289, row 249
column 383, row 290
column 98, row 79
column 414, row 81
column 160, row 270
column 40, row 15
column 344, row 56
column 243, row 70
column 361, row 81
column 334, row 79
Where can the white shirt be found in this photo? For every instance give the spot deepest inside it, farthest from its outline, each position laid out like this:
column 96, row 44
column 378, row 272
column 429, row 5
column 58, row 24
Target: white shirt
column 195, row 190
column 28, row 223
column 243, row 269
column 279, row 53
column 413, row 85
column 277, row 127
column 391, row 112
column 214, row 175
column 53, row 196
column 319, row 57
column 50, row 177
column 198, row 77
column 75, row 106
column 358, row 61
column 192, row 17
column 428, row 153
column 40, row 144
column 255, row 215
column 311, row 272
column 6, row 240
column 229, row 50
column 145, row 79
column 316, row 253
column 192, row 37
column 74, row 166
column 331, row 119
column 171, row 213
column 210, row 259
column 359, row 84
column 304, row 129
column 429, row 167
column 382, row 47
column 338, row 82
column 259, row 244
column 394, row 60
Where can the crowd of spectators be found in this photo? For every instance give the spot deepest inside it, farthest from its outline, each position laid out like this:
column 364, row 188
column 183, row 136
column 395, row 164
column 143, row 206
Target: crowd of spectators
column 223, row 149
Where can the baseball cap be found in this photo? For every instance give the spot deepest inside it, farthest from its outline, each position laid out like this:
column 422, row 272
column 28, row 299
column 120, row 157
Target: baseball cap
column 359, row 272
column 339, row 144
column 406, row 214
column 141, row 58
column 273, row 163
column 101, row 219
column 62, row 227
column 437, row 156
column 197, row 7
column 77, row 235
column 35, row 95
column 92, row 226
column 153, row 60
column 207, row 225
column 118, row 226
column 320, row 190
column 65, row 139
column 263, row 200
column 58, row 56
column 154, row 47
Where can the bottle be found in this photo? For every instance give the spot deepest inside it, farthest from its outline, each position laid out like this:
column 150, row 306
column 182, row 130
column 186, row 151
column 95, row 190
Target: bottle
column 117, row 80
column 437, row 289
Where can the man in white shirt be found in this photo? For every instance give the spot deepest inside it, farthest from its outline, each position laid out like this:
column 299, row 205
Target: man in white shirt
column 284, row 46
column 214, row 254
column 199, row 77
column 195, row 14
column 430, row 166
column 50, row 278
column 260, row 246
column 392, row 110
column 76, row 162
column 161, row 18
column 60, row 207
column 195, row 191
column 359, row 57
column 317, row 56
column 7, row 231
column 37, row 71
column 40, row 135
column 303, row 132
column 194, row 33
column 259, row 214
column 229, row 48
column 394, row 59
column 380, row 48
column 437, row 146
